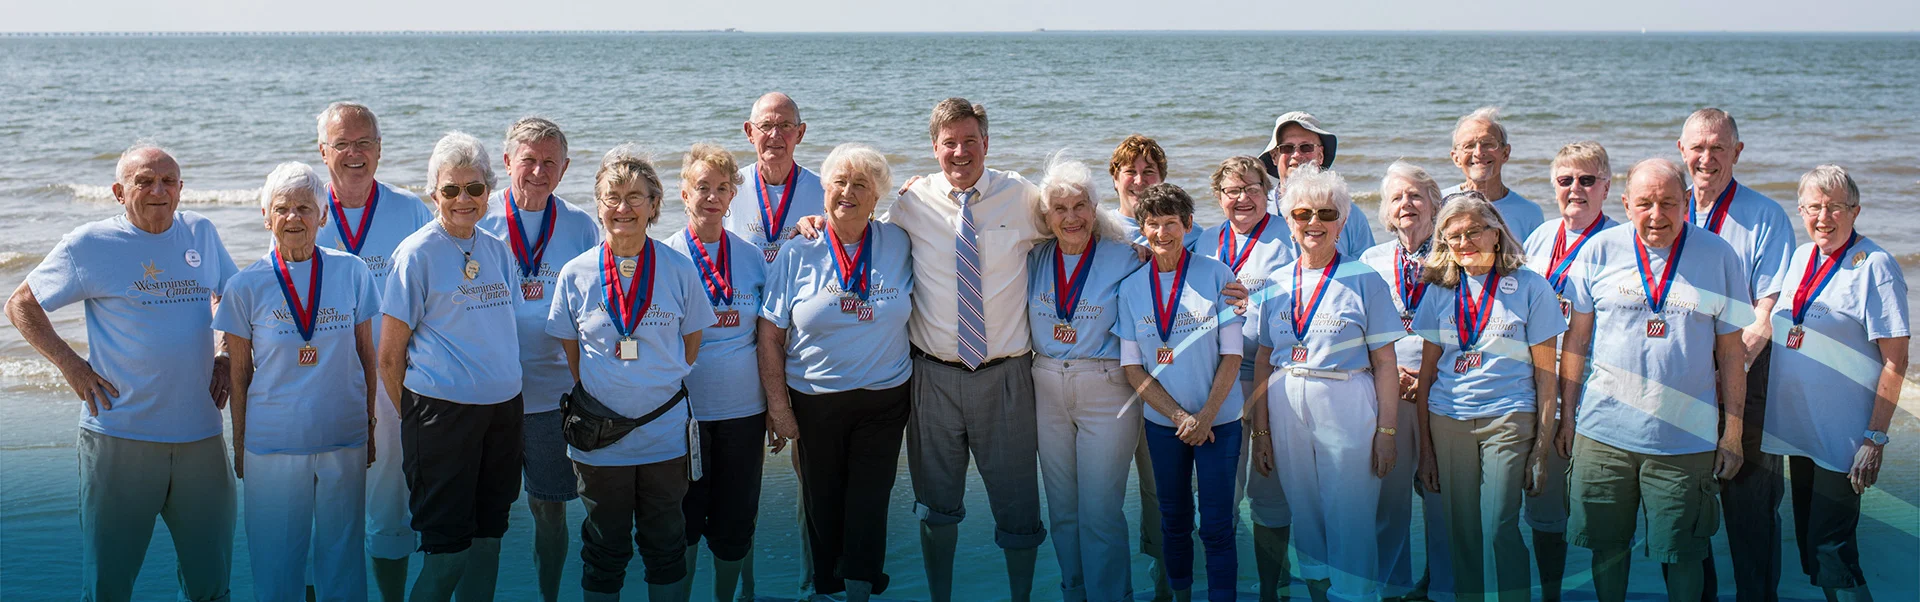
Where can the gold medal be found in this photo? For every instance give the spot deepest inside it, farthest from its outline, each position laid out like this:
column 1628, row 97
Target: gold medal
column 629, row 349
column 309, row 355
column 1065, row 333
column 473, row 269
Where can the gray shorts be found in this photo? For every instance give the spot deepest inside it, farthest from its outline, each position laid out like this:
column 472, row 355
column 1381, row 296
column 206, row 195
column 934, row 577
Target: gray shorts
column 987, row 415
column 549, row 474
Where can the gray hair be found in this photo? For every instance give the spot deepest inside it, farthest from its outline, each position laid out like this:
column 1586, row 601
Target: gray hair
column 1832, row 180
column 529, row 130
column 1715, row 118
column 628, row 163
column 1489, row 115
column 1314, row 183
column 861, row 159
column 124, row 167
column 341, row 110
column 1660, row 167
column 289, row 179
column 1443, row 267
column 1068, row 178
column 776, row 100
column 456, row 150
column 1413, row 174
column 1585, row 153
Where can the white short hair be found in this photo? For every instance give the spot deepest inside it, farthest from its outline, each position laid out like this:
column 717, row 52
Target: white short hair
column 1490, row 115
column 862, row 159
column 133, row 153
column 289, row 179
column 1832, row 180
column 1311, row 183
column 1413, row 174
column 1659, row 167
column 1066, row 178
column 343, row 109
column 456, row 150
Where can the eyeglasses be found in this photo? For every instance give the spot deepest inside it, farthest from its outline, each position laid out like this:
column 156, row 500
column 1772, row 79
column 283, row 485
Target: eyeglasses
column 1463, row 235
column 1827, row 209
column 1289, row 149
column 1305, row 215
column 1586, row 181
column 769, row 129
column 1242, row 191
column 632, row 201
column 362, row 145
column 1479, row 145
column 476, row 190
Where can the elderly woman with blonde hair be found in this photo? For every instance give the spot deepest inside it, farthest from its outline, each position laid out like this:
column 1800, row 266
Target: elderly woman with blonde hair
column 1487, row 379
column 1088, row 430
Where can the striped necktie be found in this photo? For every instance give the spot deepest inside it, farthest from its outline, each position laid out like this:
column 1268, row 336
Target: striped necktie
column 966, row 265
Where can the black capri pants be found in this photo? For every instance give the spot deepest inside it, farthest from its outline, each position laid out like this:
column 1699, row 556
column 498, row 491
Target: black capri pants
column 724, row 503
column 462, row 463
column 849, row 452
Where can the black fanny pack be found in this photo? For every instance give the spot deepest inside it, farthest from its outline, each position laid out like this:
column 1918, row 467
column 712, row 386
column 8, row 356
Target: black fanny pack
column 588, row 424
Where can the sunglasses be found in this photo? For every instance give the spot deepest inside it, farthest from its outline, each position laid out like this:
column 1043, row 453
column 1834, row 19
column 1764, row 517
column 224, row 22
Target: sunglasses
column 1304, row 215
column 1304, row 149
column 476, row 190
column 1585, row 181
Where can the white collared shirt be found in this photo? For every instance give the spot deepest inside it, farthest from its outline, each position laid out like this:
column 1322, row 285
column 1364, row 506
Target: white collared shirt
column 1007, row 226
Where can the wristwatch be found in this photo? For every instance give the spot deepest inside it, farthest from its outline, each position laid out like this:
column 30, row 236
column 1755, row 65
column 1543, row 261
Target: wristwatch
column 1386, row 430
column 1876, row 437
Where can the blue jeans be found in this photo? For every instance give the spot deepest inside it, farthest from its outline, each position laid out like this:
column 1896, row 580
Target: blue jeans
column 1174, row 466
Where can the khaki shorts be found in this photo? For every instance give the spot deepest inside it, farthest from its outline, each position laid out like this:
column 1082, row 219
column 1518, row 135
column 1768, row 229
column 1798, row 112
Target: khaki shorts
column 1608, row 488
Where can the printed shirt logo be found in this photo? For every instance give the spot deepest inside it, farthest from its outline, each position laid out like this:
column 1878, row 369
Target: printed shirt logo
column 165, row 291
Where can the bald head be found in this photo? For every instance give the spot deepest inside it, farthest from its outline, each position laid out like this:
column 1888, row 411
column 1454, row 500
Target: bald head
column 774, row 128
column 144, row 157
column 147, row 183
column 775, row 104
column 1655, row 172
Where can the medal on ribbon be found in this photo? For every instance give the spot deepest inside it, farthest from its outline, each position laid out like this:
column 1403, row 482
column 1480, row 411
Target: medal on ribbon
column 305, row 315
column 1166, row 307
column 773, row 219
column 1658, row 285
column 529, row 252
column 627, row 294
column 1237, row 260
column 1470, row 318
column 351, row 239
column 716, row 272
column 1066, row 291
column 1561, row 262
column 1815, row 280
column 1412, row 287
column 854, row 273
column 1302, row 317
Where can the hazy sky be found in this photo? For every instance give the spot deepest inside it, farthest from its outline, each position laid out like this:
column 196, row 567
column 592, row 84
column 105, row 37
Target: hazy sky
column 976, row 15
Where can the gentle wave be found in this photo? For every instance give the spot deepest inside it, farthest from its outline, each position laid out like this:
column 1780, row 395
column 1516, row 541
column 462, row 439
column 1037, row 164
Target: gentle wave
column 14, row 259
column 238, row 197
column 31, row 371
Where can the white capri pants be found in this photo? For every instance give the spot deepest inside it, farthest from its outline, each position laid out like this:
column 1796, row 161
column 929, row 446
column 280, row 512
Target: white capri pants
column 1322, row 432
column 1086, row 446
column 296, row 504
column 389, row 523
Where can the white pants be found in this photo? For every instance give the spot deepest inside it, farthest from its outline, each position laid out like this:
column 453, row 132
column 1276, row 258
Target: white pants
column 1086, row 446
column 1266, row 499
column 1395, row 514
column 389, row 524
column 1322, row 434
column 300, row 503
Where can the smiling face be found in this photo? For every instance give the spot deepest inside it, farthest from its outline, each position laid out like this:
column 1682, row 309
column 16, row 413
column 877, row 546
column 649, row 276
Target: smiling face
column 1478, row 151
column 851, row 195
column 295, row 219
column 1579, row 201
column 1165, row 233
column 1071, row 219
column 358, row 155
column 1828, row 218
column 1474, row 243
column 775, row 129
column 706, row 193
column 1315, row 236
column 1294, row 137
column 1241, row 198
column 961, row 149
column 1407, row 206
column 1134, row 179
column 536, row 167
column 461, row 210
column 1657, row 208
column 626, row 208
column 149, row 188
column 1709, row 151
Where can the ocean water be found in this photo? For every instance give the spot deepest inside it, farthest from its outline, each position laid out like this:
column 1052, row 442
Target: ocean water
column 232, row 107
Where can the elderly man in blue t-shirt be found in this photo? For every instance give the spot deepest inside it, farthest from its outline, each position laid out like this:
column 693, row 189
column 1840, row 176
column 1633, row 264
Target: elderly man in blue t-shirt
column 150, row 435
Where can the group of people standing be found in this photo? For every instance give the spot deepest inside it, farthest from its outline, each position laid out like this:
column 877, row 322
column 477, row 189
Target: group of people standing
column 410, row 366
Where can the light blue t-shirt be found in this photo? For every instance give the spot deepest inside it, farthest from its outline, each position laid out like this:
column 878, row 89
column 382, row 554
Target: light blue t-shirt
column 1355, row 238
column 725, row 381
column 1130, row 229
column 397, row 213
column 463, row 349
column 829, row 351
column 1381, row 258
column 149, row 310
column 1274, row 249
column 1099, row 304
column 1525, row 313
column 1821, row 395
column 1761, row 234
column 745, row 219
column 1194, row 338
column 1522, row 216
column 1539, row 245
column 543, row 360
column 677, row 308
column 295, row 409
column 1356, row 316
column 1656, row 395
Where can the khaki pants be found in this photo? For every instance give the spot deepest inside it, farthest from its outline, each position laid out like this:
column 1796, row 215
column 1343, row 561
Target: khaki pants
column 1482, row 463
column 124, row 483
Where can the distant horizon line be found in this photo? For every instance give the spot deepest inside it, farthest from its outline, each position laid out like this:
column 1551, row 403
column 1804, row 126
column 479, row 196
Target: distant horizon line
column 458, row 32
